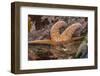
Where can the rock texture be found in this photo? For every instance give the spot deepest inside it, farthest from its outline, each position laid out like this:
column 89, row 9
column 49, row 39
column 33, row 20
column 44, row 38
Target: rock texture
column 39, row 29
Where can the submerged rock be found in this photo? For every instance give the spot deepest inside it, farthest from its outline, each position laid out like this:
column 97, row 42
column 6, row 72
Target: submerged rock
column 82, row 50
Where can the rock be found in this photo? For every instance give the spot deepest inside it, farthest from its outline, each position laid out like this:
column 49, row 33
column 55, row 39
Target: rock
column 40, row 30
column 82, row 50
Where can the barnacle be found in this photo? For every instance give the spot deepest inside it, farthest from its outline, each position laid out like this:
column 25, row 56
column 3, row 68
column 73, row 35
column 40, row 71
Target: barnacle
column 56, row 37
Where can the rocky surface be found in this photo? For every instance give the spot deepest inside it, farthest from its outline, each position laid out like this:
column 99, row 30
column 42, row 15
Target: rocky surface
column 40, row 30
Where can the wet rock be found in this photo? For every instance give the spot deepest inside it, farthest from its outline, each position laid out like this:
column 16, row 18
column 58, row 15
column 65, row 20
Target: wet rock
column 40, row 30
column 82, row 50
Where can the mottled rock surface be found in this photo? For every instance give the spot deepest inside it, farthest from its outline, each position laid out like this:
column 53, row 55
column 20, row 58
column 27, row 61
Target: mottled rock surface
column 40, row 30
